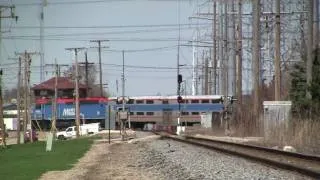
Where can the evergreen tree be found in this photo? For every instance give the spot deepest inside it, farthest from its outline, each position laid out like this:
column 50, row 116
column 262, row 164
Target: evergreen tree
column 299, row 87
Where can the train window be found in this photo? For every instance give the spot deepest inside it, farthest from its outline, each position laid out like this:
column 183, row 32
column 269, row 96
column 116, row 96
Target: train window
column 185, row 101
column 131, row 113
column 140, row 113
column 139, row 101
column 185, row 113
column 215, row 101
column 195, row 113
column 194, row 101
column 150, row 113
column 130, row 101
column 165, row 102
column 149, row 102
column 205, row 101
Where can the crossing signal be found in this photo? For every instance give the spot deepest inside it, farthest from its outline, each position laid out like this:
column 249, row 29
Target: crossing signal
column 179, row 99
column 179, row 78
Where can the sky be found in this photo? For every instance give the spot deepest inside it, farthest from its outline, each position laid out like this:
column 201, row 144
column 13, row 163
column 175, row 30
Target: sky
column 126, row 24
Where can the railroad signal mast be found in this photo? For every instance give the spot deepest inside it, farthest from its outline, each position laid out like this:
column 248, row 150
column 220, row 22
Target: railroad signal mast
column 180, row 100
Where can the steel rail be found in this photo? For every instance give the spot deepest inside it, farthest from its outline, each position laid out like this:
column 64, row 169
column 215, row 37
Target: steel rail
column 217, row 145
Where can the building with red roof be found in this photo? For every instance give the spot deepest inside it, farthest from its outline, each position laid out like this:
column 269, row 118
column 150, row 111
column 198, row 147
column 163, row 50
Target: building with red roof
column 65, row 88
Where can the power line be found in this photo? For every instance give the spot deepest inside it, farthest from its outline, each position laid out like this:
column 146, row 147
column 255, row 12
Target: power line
column 104, row 33
column 110, row 27
column 79, row 2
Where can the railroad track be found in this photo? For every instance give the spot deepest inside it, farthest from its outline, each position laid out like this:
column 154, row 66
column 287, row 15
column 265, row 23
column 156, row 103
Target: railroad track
column 304, row 164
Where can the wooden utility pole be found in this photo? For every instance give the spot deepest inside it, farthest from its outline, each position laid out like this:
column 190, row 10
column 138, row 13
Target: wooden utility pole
column 77, row 108
column 25, row 95
column 19, row 103
column 54, row 110
column 214, row 31
column 100, row 66
column 87, row 73
column 256, row 58
column 86, row 64
column 27, row 121
column 11, row 16
column 309, row 47
column 3, row 128
column 277, row 53
column 29, row 97
column 239, row 61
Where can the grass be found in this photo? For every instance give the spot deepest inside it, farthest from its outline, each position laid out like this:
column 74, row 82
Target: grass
column 30, row 161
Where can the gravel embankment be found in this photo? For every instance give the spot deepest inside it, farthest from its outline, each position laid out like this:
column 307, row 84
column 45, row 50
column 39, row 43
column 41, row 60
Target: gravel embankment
column 149, row 158
column 174, row 160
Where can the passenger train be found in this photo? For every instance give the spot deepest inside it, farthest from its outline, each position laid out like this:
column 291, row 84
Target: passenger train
column 142, row 109
column 165, row 109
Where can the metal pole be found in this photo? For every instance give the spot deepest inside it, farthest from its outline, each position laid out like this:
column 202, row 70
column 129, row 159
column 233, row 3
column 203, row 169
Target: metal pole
column 277, row 53
column 256, row 58
column 19, row 103
column 316, row 24
column 109, row 118
column 42, row 41
column 239, row 61
column 100, row 68
column 309, row 46
column 123, row 83
column 214, row 31
column 193, row 70
column 3, row 128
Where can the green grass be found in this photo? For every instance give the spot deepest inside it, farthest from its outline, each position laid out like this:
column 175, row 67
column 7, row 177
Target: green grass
column 30, row 161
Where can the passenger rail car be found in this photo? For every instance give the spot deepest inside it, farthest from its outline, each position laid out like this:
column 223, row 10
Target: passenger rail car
column 165, row 109
column 91, row 110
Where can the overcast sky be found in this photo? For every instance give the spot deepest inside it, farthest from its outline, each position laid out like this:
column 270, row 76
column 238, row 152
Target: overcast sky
column 99, row 17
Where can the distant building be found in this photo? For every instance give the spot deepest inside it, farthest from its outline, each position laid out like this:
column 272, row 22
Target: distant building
column 65, row 88
column 10, row 116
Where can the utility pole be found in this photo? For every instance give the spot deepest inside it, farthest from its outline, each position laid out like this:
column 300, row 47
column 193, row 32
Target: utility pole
column 86, row 64
column 77, row 108
column 29, row 97
column 87, row 73
column 194, row 78
column 12, row 15
column 3, row 128
column 214, row 31
column 27, row 123
column 54, row 111
column 54, row 104
column 277, row 53
column 225, row 57
column 19, row 103
column 43, row 4
column 206, row 73
column 256, row 58
column 232, row 67
column 123, row 83
column 309, row 47
column 316, row 24
column 239, row 61
column 100, row 66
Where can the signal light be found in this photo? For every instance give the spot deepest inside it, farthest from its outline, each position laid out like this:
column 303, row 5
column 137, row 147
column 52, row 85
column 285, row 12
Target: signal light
column 179, row 99
column 179, row 78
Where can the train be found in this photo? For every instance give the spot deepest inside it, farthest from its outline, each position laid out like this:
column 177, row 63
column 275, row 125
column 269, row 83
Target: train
column 141, row 109
column 166, row 109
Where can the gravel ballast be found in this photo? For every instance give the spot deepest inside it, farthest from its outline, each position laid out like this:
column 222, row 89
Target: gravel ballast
column 168, row 159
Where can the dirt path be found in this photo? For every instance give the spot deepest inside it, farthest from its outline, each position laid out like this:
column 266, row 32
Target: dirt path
column 104, row 161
